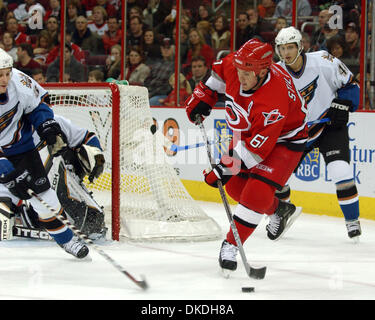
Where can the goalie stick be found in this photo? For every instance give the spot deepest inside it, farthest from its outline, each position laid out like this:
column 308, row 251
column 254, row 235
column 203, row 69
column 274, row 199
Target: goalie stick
column 252, row 272
column 141, row 283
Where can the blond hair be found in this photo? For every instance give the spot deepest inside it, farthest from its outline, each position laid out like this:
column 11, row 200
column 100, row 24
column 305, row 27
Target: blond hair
column 183, row 82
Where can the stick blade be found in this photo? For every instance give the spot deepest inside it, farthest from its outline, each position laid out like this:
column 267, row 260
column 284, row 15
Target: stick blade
column 257, row 273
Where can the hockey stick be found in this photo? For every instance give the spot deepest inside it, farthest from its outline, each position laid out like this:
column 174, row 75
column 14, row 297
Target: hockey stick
column 255, row 273
column 323, row 120
column 141, row 283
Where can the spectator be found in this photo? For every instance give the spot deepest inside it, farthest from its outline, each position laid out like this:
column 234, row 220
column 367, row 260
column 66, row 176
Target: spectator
column 257, row 23
column 3, row 11
column 281, row 22
column 318, row 36
column 284, row 8
column 198, row 48
column 9, row 45
column 96, row 75
column 109, row 8
column 199, row 71
column 25, row 62
column 205, row 13
column 136, row 71
column 53, row 29
column 328, row 33
column 155, row 12
column 13, row 28
column 113, row 35
column 184, row 92
column 113, row 63
column 135, row 32
column 151, row 49
column 337, row 47
column 42, row 47
column 73, row 12
column 85, row 39
column 39, row 76
column 165, row 28
column 221, row 35
column 54, row 10
column 243, row 32
column 267, row 8
column 206, row 29
column 22, row 12
column 74, row 71
column 185, row 23
column 352, row 32
column 184, row 45
column 306, row 42
column 157, row 82
column 77, row 52
column 87, row 6
column 99, row 23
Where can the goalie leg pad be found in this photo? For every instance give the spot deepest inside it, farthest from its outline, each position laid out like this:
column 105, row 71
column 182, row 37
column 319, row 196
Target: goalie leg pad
column 6, row 219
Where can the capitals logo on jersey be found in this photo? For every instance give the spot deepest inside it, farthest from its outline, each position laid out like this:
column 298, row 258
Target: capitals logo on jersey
column 308, row 91
column 272, row 117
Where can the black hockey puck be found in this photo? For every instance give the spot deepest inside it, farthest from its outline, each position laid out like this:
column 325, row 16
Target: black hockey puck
column 248, row 289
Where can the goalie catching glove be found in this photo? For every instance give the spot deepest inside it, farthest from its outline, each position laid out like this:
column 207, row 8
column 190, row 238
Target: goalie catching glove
column 50, row 131
column 200, row 103
column 338, row 113
column 92, row 161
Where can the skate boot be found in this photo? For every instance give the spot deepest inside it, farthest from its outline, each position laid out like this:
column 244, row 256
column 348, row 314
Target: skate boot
column 76, row 248
column 354, row 229
column 284, row 216
column 227, row 257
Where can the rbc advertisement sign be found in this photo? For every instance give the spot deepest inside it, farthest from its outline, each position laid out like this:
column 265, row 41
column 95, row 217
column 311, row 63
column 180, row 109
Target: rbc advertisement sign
column 309, row 169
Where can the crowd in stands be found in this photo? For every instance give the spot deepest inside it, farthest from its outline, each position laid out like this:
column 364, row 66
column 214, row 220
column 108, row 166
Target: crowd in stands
column 93, row 49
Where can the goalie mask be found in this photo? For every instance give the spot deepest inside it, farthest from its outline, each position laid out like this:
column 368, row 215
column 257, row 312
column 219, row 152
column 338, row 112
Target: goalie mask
column 289, row 35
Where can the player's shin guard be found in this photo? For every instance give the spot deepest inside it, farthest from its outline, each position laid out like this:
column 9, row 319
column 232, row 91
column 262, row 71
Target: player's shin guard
column 58, row 231
column 347, row 196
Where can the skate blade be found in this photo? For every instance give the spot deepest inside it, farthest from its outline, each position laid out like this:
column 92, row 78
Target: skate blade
column 355, row 240
column 291, row 220
column 226, row 273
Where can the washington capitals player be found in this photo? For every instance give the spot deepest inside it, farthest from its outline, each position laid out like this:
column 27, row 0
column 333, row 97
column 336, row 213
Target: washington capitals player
column 24, row 106
column 267, row 116
column 329, row 90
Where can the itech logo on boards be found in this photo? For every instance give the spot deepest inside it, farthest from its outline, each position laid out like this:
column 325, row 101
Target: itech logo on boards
column 309, row 169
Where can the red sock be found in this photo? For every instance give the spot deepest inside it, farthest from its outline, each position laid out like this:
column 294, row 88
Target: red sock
column 243, row 231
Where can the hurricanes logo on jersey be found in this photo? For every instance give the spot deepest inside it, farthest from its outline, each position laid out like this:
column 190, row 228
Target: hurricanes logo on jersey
column 272, row 117
column 236, row 116
column 308, row 91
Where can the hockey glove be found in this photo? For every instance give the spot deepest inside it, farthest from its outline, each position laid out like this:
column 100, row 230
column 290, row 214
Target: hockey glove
column 226, row 169
column 18, row 183
column 200, row 103
column 92, row 161
column 51, row 132
column 338, row 113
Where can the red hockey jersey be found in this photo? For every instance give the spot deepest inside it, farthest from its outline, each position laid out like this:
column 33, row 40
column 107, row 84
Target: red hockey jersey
column 274, row 113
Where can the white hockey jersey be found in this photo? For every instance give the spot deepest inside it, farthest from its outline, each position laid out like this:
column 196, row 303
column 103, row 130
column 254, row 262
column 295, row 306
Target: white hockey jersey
column 22, row 107
column 318, row 81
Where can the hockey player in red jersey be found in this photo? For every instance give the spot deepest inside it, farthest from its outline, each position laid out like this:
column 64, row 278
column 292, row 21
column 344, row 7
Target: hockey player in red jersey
column 267, row 117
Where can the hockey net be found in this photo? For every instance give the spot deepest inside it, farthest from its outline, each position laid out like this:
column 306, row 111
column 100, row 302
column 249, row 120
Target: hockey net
column 141, row 193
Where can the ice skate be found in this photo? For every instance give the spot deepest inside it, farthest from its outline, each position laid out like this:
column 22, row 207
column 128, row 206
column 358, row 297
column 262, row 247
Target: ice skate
column 354, row 229
column 284, row 216
column 76, row 248
column 227, row 258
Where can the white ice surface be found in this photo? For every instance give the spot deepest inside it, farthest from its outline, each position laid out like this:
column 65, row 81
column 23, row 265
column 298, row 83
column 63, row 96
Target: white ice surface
column 314, row 260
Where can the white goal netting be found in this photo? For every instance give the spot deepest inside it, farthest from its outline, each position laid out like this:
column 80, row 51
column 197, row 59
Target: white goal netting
column 141, row 192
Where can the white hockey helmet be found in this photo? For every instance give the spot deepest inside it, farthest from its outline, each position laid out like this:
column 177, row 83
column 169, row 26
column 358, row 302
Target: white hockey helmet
column 6, row 61
column 288, row 35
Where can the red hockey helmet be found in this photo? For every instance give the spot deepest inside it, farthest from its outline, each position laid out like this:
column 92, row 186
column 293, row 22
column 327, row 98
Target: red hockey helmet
column 254, row 55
